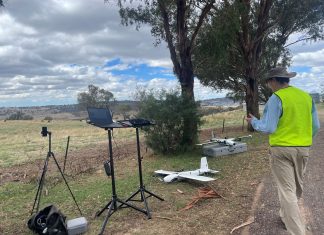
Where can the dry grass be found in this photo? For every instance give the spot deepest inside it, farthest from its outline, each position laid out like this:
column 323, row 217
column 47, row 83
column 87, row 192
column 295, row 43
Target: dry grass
column 231, row 118
column 21, row 141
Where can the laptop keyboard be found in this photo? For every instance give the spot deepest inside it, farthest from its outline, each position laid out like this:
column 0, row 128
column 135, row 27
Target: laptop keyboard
column 136, row 122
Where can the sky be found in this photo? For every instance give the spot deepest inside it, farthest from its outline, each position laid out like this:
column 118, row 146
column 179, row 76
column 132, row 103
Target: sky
column 52, row 50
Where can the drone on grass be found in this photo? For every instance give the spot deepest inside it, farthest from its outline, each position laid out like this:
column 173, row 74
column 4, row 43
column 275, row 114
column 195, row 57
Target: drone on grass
column 171, row 176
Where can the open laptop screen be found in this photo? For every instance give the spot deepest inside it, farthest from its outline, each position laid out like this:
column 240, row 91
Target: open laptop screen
column 100, row 116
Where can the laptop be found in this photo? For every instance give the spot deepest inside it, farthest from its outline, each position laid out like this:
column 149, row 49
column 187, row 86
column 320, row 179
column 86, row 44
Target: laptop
column 100, row 117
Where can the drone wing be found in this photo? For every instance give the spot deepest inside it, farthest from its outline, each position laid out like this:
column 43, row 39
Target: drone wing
column 163, row 172
column 195, row 177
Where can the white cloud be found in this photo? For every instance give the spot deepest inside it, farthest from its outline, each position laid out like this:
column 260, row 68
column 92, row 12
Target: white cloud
column 307, row 60
column 51, row 50
column 312, row 81
column 310, row 59
column 11, row 29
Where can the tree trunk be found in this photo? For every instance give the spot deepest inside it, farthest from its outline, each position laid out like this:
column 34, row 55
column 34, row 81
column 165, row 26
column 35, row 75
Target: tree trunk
column 186, row 79
column 186, row 76
column 252, row 96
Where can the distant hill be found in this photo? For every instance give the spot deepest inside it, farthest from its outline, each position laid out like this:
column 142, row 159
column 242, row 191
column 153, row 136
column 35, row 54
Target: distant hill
column 72, row 111
column 223, row 102
column 69, row 111
column 40, row 112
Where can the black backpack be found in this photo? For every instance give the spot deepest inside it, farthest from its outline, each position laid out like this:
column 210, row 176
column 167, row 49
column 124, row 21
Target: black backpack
column 48, row 221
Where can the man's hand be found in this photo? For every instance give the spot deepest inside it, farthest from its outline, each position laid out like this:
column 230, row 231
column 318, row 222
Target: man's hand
column 249, row 118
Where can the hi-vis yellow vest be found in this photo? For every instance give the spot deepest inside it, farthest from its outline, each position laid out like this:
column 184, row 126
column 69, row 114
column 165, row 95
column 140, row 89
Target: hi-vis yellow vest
column 295, row 125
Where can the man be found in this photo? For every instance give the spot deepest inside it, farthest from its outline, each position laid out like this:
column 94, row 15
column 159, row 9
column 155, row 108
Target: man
column 290, row 119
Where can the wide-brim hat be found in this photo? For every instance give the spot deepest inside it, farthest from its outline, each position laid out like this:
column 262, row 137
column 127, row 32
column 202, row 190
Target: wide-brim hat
column 280, row 72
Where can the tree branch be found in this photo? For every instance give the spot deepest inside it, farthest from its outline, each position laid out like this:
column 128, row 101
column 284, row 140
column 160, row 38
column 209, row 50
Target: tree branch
column 299, row 40
column 202, row 17
column 169, row 38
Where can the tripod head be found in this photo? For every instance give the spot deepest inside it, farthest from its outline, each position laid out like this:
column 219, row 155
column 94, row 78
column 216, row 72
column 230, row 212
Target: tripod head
column 45, row 132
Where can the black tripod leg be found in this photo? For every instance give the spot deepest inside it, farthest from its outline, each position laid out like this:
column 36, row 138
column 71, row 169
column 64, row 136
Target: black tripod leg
column 131, row 196
column 58, row 166
column 154, row 195
column 130, row 205
column 143, row 199
column 103, row 209
column 40, row 185
column 145, row 204
column 107, row 217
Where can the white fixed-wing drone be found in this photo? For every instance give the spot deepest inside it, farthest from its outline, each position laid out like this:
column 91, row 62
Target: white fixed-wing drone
column 193, row 175
column 226, row 141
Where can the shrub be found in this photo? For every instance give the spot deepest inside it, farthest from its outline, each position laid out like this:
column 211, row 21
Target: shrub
column 168, row 110
column 47, row 118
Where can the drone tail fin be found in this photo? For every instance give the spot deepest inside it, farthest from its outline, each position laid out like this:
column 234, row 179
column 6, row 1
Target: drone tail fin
column 204, row 165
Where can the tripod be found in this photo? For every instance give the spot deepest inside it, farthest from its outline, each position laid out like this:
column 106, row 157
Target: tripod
column 142, row 189
column 42, row 179
column 112, row 204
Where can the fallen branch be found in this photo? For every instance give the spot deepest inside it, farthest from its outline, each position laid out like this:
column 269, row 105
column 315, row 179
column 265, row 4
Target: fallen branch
column 249, row 221
column 203, row 193
column 180, row 191
column 215, row 191
column 162, row 217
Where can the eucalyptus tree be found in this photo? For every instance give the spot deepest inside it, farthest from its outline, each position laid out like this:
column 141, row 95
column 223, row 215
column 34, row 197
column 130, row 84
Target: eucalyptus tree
column 177, row 22
column 95, row 97
column 247, row 37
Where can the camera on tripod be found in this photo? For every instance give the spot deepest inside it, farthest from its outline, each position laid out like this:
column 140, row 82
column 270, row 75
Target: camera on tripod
column 44, row 131
column 50, row 155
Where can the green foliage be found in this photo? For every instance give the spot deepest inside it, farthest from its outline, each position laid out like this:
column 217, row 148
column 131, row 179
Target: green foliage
column 251, row 36
column 20, row 116
column 168, row 110
column 177, row 23
column 94, row 97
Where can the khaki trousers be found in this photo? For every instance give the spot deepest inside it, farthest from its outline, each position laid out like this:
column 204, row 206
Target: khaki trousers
column 288, row 165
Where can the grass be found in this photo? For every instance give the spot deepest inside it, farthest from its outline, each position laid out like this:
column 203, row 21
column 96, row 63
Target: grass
column 92, row 191
column 238, row 178
column 231, row 118
column 236, row 182
column 21, row 141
